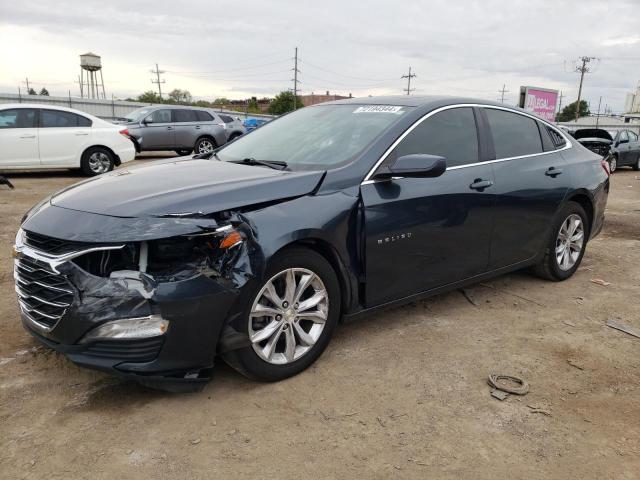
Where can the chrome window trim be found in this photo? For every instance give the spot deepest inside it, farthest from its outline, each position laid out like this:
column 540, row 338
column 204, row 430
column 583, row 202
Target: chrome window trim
column 368, row 178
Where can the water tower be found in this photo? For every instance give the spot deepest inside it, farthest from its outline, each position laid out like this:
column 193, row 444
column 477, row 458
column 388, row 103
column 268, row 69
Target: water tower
column 90, row 66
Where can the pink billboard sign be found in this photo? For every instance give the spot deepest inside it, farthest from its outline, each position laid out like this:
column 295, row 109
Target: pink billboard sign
column 541, row 102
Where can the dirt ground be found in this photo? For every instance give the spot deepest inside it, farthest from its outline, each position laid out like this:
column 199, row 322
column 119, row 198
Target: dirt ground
column 399, row 394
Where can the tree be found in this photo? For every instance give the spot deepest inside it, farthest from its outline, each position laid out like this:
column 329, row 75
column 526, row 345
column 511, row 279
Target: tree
column 569, row 112
column 283, row 103
column 252, row 105
column 149, row 97
column 180, row 96
column 32, row 91
column 44, row 92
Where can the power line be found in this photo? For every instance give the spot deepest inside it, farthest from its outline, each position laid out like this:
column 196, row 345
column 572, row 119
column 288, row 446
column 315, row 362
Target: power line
column 211, row 72
column 409, row 77
column 502, row 92
column 333, row 72
column 582, row 70
column 158, row 72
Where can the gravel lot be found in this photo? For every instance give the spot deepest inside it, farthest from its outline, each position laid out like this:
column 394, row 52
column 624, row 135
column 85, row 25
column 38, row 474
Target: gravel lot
column 399, row 394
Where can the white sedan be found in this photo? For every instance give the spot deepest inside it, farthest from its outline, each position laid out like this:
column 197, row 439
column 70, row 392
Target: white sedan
column 41, row 137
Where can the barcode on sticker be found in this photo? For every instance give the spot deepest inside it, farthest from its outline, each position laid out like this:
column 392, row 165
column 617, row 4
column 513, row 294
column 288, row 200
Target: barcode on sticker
column 378, row 109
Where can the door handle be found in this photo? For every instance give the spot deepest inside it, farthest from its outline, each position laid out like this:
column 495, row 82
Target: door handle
column 169, row 128
column 553, row 172
column 479, row 184
column 82, row 133
column 28, row 135
column 198, row 127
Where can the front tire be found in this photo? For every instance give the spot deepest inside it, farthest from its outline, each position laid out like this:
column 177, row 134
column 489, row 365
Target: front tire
column 566, row 244
column 636, row 166
column 289, row 316
column 96, row 161
column 204, row 145
column 613, row 163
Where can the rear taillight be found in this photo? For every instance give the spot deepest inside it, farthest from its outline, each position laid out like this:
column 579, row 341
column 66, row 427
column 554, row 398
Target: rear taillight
column 605, row 165
column 125, row 132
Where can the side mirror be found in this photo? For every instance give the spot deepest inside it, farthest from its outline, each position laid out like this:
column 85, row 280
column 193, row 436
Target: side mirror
column 623, row 140
column 148, row 120
column 417, row 165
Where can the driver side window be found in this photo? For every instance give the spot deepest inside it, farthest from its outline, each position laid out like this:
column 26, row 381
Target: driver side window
column 451, row 134
column 161, row 116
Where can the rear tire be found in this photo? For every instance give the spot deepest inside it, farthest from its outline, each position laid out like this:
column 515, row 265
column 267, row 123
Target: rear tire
column 205, row 145
column 566, row 244
column 185, row 151
column 309, row 337
column 636, row 166
column 96, row 161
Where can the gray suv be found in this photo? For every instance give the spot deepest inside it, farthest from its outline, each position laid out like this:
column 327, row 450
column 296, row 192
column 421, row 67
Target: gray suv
column 179, row 128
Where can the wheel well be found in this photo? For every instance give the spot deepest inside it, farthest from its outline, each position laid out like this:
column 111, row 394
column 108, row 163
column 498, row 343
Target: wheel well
column 209, row 137
column 116, row 158
column 329, row 253
column 585, row 202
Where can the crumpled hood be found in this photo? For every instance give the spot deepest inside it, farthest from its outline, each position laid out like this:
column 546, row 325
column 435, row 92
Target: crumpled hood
column 184, row 188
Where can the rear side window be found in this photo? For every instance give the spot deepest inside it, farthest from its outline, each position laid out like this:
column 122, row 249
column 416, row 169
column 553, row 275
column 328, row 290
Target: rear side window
column 60, row 119
column 84, row 121
column 18, row 118
column 226, row 118
column 203, row 116
column 451, row 134
column 557, row 139
column 184, row 116
column 513, row 134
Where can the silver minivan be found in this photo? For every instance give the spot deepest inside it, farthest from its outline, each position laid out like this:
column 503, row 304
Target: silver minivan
column 176, row 127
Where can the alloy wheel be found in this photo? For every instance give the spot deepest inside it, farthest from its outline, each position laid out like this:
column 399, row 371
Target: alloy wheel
column 99, row 162
column 613, row 164
column 288, row 316
column 569, row 242
column 205, row 146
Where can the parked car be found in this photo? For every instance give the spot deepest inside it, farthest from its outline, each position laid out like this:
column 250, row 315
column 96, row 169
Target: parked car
column 176, row 127
column 624, row 151
column 40, row 137
column 598, row 140
column 333, row 211
column 233, row 126
column 253, row 123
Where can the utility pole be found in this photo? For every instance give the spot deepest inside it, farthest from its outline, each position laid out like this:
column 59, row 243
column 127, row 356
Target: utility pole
column 598, row 114
column 409, row 77
column 27, row 82
column 560, row 104
column 583, row 69
column 157, row 80
column 295, row 79
column 502, row 92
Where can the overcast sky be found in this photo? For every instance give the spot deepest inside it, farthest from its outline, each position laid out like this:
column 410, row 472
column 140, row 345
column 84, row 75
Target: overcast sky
column 244, row 48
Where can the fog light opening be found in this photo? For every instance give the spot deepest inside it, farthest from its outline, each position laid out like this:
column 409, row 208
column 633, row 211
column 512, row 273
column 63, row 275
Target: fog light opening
column 128, row 328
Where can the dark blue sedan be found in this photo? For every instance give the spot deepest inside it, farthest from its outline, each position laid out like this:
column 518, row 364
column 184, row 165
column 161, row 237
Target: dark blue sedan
column 255, row 252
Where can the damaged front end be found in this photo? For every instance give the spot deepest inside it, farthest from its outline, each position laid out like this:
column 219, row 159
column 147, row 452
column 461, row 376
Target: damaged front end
column 152, row 308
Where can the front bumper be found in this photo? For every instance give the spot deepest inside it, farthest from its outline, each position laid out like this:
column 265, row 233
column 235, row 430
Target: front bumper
column 196, row 309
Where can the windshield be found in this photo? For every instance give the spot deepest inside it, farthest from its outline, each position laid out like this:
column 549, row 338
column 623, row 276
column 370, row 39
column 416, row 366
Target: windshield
column 138, row 115
column 314, row 138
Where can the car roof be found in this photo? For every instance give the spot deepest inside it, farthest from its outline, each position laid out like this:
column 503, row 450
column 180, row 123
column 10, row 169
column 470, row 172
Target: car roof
column 416, row 101
column 5, row 106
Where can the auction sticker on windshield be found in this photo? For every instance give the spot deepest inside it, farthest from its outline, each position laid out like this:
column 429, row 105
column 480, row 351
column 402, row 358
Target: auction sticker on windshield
column 378, row 109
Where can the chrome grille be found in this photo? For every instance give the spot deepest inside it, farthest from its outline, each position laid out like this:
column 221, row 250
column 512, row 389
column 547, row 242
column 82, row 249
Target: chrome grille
column 44, row 295
column 53, row 246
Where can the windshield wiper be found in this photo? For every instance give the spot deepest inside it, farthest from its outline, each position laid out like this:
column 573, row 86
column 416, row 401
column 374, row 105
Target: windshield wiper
column 275, row 164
